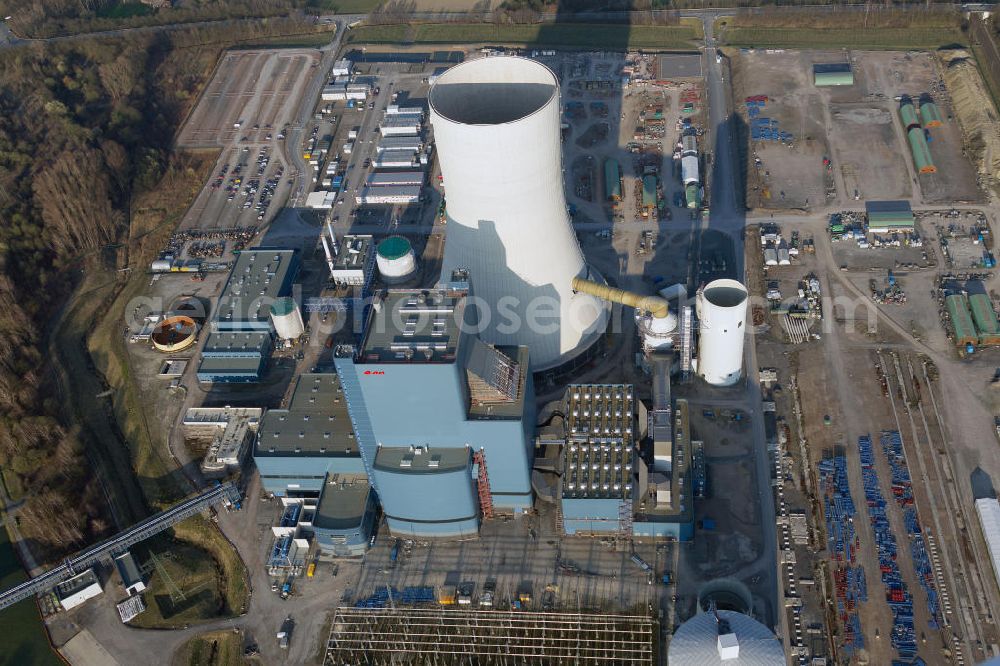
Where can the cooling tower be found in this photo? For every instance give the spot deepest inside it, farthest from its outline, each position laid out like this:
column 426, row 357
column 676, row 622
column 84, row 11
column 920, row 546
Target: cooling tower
column 497, row 132
column 722, row 314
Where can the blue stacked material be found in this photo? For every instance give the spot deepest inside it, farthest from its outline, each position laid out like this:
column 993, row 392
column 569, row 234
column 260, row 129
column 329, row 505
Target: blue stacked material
column 409, row 595
column 898, row 597
column 842, row 542
column 892, row 445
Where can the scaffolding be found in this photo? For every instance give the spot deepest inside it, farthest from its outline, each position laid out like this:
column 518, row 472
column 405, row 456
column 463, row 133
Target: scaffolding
column 485, row 495
column 687, row 341
column 452, row 636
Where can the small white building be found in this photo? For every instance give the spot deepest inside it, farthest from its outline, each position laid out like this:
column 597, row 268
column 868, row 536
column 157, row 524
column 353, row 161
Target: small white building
column 334, row 92
column 341, row 68
column 321, row 199
column 75, row 591
column 357, row 91
column 354, row 262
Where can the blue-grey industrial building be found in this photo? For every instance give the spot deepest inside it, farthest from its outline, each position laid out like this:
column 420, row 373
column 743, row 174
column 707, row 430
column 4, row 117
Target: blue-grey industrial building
column 259, row 277
column 307, row 455
column 611, row 486
column 430, row 403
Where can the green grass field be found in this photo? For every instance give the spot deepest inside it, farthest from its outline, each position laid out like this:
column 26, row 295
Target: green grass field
column 586, row 35
column 24, row 640
column 858, row 38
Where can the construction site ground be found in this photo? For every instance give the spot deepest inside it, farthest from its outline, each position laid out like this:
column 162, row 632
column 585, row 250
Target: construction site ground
column 857, row 128
column 843, row 359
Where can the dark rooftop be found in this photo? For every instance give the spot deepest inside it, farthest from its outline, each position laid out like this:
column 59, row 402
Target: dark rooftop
column 343, row 502
column 315, row 422
column 420, row 459
column 415, row 326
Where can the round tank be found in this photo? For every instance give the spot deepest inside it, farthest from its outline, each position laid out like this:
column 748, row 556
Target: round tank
column 287, row 319
column 497, row 133
column 722, row 311
column 658, row 332
column 725, row 637
column 396, row 259
column 174, row 334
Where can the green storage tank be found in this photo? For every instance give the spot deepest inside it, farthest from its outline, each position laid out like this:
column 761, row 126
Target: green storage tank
column 930, row 114
column 909, row 115
column 921, row 153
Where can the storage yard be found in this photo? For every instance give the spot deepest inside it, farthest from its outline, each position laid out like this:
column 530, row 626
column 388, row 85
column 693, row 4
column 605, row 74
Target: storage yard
column 841, row 143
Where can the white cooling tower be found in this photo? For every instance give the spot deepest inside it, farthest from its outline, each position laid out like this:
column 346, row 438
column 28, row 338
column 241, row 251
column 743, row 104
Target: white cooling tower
column 496, row 127
column 722, row 315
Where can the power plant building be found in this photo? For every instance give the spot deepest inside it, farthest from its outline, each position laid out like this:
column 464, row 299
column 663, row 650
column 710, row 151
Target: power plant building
column 308, row 455
column 234, row 357
column 497, row 132
column 354, row 263
column 433, row 404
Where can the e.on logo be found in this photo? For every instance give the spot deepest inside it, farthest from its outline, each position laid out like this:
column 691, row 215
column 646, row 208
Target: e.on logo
column 374, row 372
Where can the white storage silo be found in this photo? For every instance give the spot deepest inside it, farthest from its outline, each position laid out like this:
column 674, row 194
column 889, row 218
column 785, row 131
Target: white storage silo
column 287, row 319
column 497, row 130
column 722, row 311
column 396, row 260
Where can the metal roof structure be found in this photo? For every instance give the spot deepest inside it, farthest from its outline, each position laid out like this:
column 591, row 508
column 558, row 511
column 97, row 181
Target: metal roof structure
column 833, row 74
column 258, row 277
column 709, row 639
column 961, row 320
column 382, row 636
column 984, row 317
column 889, row 215
column 988, row 510
column 612, row 179
column 315, row 423
column 355, row 253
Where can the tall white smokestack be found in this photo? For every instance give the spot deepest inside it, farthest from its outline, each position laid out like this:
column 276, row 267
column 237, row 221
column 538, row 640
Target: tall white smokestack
column 496, row 126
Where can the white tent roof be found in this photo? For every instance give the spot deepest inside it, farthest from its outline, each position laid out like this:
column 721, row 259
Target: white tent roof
column 989, row 521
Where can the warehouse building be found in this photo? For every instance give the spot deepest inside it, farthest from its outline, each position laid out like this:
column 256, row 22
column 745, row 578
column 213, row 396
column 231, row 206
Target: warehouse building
column 400, row 125
column 407, row 143
column 961, row 320
column 396, row 159
column 889, row 216
column 598, row 458
column 833, row 74
column 985, row 319
column 128, row 570
column 240, row 344
column 234, row 357
column 258, row 278
column 383, row 178
column 433, row 406
column 390, row 194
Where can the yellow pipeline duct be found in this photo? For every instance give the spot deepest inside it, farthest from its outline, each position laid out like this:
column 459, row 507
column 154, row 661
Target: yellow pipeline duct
column 654, row 305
